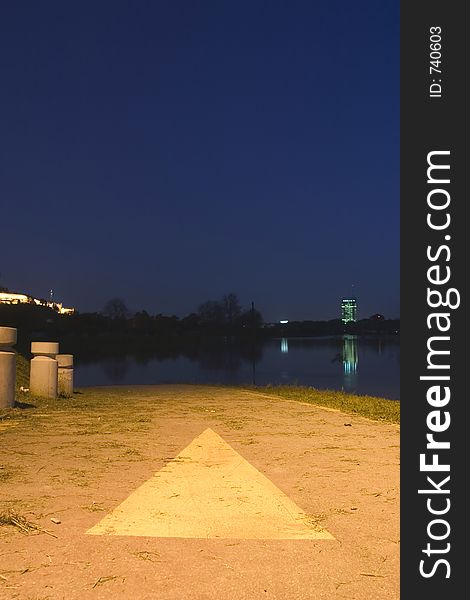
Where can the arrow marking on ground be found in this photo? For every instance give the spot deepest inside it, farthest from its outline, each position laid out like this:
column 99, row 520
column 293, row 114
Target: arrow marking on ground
column 210, row 491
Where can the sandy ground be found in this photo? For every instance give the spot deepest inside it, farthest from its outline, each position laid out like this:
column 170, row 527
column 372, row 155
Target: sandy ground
column 77, row 462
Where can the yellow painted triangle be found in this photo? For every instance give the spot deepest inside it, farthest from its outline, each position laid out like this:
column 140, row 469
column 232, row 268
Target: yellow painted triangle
column 209, row 491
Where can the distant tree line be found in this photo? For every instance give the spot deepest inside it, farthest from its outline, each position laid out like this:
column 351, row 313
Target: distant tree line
column 334, row 327
column 223, row 317
column 213, row 317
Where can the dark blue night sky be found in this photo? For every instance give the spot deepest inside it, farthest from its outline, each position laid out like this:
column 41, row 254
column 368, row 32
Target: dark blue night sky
column 170, row 152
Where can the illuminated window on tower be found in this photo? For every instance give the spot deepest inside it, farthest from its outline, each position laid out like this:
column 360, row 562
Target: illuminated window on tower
column 348, row 310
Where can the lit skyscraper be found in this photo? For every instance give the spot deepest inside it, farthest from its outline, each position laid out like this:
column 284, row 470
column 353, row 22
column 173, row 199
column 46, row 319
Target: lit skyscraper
column 349, row 310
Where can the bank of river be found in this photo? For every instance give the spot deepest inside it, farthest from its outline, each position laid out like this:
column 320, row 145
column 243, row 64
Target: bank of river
column 104, row 481
column 371, row 407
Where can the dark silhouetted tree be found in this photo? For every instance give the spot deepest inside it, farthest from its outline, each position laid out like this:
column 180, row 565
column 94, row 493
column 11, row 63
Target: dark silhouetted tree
column 116, row 309
column 142, row 322
column 211, row 312
column 231, row 309
column 250, row 319
column 228, row 314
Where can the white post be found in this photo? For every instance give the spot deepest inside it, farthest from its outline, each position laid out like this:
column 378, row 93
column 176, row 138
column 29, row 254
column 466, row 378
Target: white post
column 65, row 374
column 44, row 368
column 8, row 336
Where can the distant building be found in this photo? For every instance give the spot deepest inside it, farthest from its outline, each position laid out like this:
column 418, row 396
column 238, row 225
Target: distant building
column 11, row 298
column 348, row 310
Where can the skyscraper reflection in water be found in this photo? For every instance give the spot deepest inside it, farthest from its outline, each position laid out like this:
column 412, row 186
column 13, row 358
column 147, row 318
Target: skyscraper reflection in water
column 350, row 361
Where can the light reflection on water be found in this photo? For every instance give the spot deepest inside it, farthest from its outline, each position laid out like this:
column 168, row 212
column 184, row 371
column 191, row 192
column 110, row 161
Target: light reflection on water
column 351, row 363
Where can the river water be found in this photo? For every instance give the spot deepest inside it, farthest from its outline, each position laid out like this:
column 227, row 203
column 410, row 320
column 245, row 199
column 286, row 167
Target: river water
column 356, row 364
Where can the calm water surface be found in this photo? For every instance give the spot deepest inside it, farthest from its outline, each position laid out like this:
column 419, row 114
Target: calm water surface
column 362, row 365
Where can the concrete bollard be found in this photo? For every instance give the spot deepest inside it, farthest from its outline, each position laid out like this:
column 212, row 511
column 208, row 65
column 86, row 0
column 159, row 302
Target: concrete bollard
column 44, row 368
column 65, row 374
column 8, row 336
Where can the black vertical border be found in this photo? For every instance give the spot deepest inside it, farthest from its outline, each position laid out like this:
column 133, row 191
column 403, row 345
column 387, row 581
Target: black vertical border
column 430, row 124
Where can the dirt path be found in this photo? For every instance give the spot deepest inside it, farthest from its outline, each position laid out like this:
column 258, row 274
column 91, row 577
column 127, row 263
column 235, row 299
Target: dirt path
column 76, row 461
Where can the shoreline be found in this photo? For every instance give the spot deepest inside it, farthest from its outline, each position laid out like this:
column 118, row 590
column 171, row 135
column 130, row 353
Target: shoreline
column 371, row 407
column 73, row 465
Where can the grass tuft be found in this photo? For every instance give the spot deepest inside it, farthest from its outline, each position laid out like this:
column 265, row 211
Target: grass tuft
column 371, row 407
column 22, row 371
column 16, row 520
